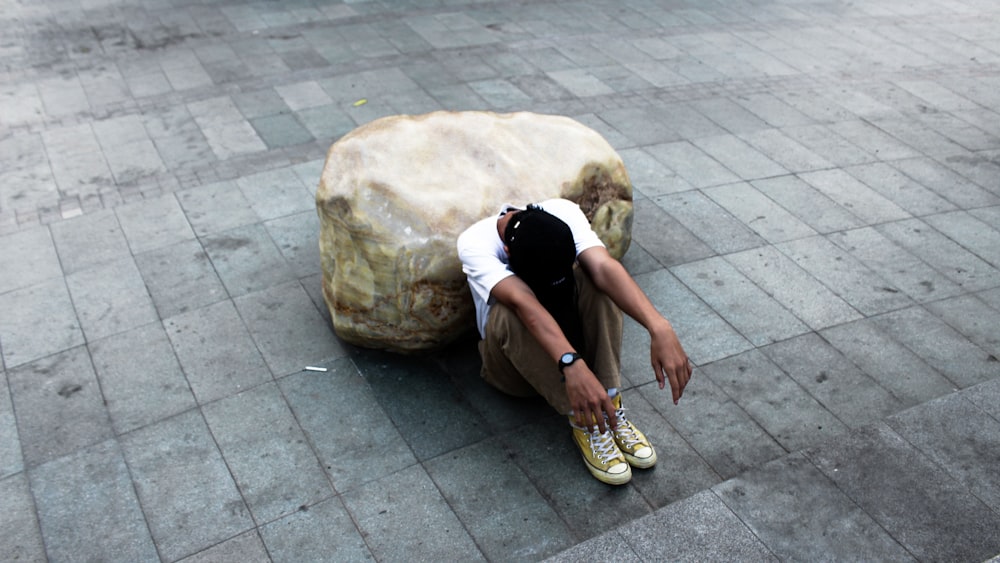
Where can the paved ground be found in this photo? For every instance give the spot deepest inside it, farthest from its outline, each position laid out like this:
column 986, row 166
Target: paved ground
column 817, row 190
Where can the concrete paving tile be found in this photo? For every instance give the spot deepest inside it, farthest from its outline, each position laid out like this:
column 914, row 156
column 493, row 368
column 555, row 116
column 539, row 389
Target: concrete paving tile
column 397, row 531
column 959, row 437
column 946, row 183
column 898, row 188
column 180, row 278
column 716, row 427
column 643, row 126
column 892, row 365
column 90, row 240
column 29, row 257
column 774, row 400
column 969, row 317
column 910, row 497
column 859, row 286
column 610, row 546
column 297, row 237
column 186, row 77
column 939, row 345
column 840, row 386
column 862, row 201
column 140, row 378
column 750, row 310
column 307, row 337
column 302, row 95
column 822, row 140
column 233, row 138
column 408, row 390
column 261, row 102
column 262, row 442
column 417, row 102
column 692, row 164
column 111, row 298
column 326, row 122
column 216, row 352
column 904, row 271
column 94, row 486
column 800, row 515
column 11, row 459
column 323, row 531
column 698, row 525
column 81, row 172
column 921, row 137
column 942, row 253
column 785, row 152
column 758, row 212
column 188, row 495
column 807, row 204
column 979, row 169
column 689, row 123
column 497, row 503
column 705, row 335
column 246, row 259
column 968, row 137
column 638, row 261
column 739, row 157
column 365, row 445
column 154, row 223
column 649, row 176
column 680, row 471
column 557, row 471
column 216, row 207
column 19, row 531
column 277, row 193
column 773, row 109
column 985, row 397
column 282, row 130
column 59, row 406
column 664, row 237
column 244, row 548
column 709, row 222
column 38, row 320
column 816, row 107
column 877, row 142
column 980, row 237
column 728, row 114
column 793, row 287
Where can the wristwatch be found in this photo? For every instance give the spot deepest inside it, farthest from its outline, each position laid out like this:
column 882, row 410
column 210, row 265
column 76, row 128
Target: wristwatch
column 567, row 359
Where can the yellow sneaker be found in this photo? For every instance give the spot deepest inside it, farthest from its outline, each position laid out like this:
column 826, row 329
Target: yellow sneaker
column 603, row 458
column 630, row 441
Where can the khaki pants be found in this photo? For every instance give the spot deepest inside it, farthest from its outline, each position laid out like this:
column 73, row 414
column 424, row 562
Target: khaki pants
column 516, row 364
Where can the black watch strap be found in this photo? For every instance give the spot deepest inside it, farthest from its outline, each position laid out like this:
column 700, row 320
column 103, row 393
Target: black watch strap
column 567, row 359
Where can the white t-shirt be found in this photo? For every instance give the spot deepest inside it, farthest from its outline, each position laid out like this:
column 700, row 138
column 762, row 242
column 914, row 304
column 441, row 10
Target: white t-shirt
column 485, row 263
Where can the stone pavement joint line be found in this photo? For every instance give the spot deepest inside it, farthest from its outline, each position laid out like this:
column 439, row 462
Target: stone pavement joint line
column 817, row 198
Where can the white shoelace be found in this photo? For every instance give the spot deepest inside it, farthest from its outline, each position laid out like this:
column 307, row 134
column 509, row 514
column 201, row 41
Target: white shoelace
column 625, row 431
column 602, row 444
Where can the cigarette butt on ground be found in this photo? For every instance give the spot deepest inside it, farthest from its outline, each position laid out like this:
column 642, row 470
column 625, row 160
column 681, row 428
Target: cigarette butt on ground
column 314, row 368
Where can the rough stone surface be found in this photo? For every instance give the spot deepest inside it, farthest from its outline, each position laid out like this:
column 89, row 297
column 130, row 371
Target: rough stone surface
column 395, row 194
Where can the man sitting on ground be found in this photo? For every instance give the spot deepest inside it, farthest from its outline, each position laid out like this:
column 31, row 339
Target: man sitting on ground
column 554, row 329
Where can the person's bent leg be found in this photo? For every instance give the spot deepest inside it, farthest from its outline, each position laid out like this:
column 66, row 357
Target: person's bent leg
column 516, row 364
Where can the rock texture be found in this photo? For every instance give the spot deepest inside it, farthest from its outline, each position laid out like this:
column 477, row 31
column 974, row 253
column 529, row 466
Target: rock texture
column 396, row 193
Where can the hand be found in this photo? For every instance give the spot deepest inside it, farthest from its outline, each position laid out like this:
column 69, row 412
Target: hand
column 670, row 363
column 588, row 398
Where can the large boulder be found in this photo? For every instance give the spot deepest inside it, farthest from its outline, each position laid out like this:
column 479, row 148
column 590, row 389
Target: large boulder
column 396, row 193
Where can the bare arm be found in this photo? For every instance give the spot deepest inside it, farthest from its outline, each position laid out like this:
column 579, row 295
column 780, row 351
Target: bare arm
column 587, row 396
column 669, row 361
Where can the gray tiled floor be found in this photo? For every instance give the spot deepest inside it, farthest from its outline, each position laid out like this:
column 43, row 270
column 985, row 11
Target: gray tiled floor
column 817, row 191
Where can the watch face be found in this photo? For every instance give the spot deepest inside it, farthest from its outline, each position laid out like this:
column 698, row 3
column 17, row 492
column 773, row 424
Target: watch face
column 566, row 358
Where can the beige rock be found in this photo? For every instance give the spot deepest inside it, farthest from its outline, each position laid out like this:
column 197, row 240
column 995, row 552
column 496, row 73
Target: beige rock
column 396, row 193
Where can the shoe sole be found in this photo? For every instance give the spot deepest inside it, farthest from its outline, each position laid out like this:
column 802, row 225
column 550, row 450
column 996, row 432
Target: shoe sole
column 639, row 462
column 608, row 478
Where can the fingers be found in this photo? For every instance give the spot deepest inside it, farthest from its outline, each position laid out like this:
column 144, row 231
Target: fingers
column 678, row 377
